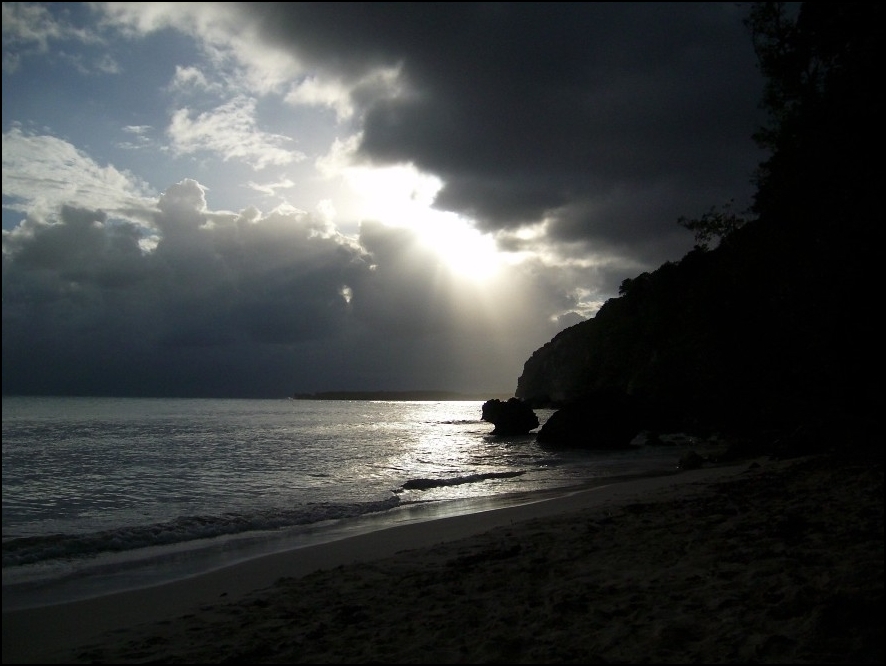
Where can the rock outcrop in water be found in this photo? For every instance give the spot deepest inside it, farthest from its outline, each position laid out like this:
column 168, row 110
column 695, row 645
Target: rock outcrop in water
column 604, row 420
column 513, row 417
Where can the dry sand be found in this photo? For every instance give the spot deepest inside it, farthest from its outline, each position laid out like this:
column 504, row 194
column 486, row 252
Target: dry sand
column 766, row 562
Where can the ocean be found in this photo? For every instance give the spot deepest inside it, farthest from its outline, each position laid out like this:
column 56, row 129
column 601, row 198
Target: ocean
column 106, row 494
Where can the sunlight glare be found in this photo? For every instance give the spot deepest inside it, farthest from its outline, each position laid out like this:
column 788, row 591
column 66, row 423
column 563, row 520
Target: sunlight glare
column 402, row 196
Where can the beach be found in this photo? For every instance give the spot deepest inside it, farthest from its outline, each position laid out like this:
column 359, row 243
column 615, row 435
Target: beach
column 758, row 561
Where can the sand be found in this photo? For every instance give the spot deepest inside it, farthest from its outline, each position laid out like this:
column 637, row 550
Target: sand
column 765, row 561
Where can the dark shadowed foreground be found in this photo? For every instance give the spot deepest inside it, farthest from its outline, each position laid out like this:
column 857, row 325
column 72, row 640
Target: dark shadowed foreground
column 782, row 562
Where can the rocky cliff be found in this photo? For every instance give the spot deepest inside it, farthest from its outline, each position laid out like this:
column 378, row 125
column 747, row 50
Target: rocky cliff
column 778, row 324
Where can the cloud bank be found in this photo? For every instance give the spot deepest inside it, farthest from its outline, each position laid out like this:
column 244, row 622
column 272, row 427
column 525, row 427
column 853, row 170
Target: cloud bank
column 273, row 197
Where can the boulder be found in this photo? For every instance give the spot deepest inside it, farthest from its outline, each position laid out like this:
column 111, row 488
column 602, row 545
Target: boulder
column 513, row 417
column 691, row 460
column 604, row 420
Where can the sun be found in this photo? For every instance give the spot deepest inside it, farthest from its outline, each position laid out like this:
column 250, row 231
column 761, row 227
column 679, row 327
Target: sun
column 402, row 196
column 463, row 249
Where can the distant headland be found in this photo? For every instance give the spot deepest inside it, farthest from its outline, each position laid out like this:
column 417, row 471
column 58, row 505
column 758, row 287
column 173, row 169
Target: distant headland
column 396, row 395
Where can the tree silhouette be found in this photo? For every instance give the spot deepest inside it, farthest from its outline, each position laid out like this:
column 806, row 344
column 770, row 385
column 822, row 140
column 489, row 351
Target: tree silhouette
column 824, row 100
column 714, row 224
column 776, row 326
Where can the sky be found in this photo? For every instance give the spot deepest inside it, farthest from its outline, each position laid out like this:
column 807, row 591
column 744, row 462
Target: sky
column 256, row 199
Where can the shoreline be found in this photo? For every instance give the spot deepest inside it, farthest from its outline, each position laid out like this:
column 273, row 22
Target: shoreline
column 224, row 614
column 171, row 563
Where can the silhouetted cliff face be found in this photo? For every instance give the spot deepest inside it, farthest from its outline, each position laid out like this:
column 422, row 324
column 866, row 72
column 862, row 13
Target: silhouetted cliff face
column 779, row 325
column 766, row 331
column 668, row 340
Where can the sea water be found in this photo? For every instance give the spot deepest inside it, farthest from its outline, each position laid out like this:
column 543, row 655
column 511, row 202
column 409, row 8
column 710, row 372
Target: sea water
column 104, row 494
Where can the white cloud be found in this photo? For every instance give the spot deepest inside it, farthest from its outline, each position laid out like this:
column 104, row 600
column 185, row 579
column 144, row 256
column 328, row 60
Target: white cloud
column 140, row 137
column 192, row 78
column 41, row 173
column 107, row 65
column 326, row 210
column 29, row 27
column 340, row 156
column 271, row 188
column 334, row 93
column 313, row 92
column 231, row 132
column 223, row 31
column 243, row 60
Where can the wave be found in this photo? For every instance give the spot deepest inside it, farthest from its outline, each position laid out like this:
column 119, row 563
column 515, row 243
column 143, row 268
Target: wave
column 30, row 550
column 21, row 551
column 425, row 484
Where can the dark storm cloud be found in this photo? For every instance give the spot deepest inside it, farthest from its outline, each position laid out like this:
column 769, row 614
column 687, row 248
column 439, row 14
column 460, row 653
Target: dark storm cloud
column 557, row 110
column 605, row 121
column 251, row 305
column 217, row 295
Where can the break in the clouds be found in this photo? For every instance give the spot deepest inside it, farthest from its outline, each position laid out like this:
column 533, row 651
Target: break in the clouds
column 260, row 198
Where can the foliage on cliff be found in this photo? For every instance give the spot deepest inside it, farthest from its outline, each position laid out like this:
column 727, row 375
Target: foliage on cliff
column 775, row 325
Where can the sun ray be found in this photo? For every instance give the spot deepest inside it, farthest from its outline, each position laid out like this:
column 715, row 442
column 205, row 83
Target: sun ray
column 402, row 196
